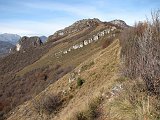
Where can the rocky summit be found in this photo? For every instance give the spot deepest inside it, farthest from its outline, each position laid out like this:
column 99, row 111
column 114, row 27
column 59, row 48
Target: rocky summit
column 27, row 42
column 75, row 27
column 119, row 23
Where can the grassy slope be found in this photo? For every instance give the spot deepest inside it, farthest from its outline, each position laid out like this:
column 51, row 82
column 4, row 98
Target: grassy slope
column 18, row 91
column 80, row 55
column 98, row 76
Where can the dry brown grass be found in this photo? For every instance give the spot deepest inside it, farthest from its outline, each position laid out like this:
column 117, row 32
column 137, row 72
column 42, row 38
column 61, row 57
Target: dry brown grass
column 32, row 79
column 133, row 103
column 98, row 76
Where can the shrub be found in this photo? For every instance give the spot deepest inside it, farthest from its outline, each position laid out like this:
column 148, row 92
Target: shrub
column 42, row 76
column 81, row 116
column 107, row 42
column 91, row 113
column 87, row 66
column 48, row 103
column 80, row 82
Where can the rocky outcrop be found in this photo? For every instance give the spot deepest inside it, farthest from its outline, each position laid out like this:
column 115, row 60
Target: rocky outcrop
column 109, row 31
column 119, row 23
column 27, row 43
column 76, row 27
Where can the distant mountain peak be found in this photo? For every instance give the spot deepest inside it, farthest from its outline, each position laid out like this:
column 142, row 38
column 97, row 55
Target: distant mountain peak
column 11, row 38
column 5, row 48
column 43, row 38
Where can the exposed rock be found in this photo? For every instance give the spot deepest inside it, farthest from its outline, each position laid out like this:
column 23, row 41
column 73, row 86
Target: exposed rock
column 75, row 47
column 95, row 38
column 18, row 46
column 90, row 40
column 85, row 42
column 76, row 27
column 119, row 23
column 26, row 43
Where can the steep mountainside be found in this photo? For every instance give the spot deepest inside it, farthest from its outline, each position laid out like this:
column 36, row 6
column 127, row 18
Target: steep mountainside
column 91, row 70
column 30, row 71
column 98, row 72
column 114, row 83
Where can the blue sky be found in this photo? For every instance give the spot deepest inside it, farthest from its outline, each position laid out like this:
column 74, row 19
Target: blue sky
column 44, row 17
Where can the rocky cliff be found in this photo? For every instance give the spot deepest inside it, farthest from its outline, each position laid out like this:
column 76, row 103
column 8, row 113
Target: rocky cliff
column 27, row 43
column 75, row 27
column 119, row 23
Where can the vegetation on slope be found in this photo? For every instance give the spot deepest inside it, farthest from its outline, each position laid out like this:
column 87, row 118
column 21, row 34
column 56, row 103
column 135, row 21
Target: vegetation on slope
column 96, row 90
column 20, row 85
column 141, row 53
column 97, row 76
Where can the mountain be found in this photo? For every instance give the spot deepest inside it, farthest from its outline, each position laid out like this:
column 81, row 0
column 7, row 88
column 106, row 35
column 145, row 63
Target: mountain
column 11, row 38
column 71, row 99
column 43, row 38
column 26, row 43
column 75, row 28
column 90, row 70
column 5, row 47
column 36, row 65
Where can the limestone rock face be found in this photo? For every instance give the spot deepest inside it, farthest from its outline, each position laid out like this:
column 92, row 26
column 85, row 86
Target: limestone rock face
column 76, row 27
column 119, row 23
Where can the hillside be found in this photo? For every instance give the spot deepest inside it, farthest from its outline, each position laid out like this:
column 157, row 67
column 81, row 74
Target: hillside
column 90, row 70
column 30, row 71
column 99, row 72
column 102, row 94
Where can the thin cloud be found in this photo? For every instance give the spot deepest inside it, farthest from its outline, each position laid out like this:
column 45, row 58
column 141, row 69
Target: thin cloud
column 45, row 17
column 86, row 11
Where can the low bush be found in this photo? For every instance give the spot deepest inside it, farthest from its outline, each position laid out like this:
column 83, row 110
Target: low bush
column 80, row 82
column 91, row 113
column 48, row 103
column 107, row 42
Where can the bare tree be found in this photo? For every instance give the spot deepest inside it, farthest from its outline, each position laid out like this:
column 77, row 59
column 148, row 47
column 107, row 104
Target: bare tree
column 140, row 52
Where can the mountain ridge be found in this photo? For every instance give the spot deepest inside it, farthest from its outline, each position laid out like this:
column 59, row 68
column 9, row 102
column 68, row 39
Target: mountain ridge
column 39, row 66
